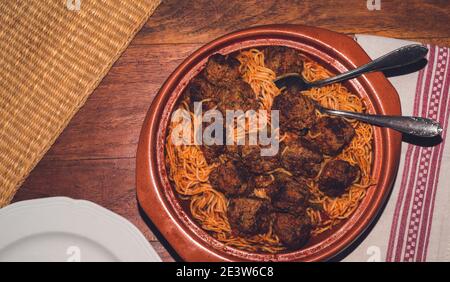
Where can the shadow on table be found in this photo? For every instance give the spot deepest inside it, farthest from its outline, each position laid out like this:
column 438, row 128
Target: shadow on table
column 158, row 235
column 422, row 141
column 347, row 251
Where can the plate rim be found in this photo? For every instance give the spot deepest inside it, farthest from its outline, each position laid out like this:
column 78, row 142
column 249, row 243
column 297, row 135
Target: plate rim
column 79, row 208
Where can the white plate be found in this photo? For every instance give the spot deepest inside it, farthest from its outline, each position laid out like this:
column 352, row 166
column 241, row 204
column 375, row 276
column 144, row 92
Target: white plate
column 63, row 229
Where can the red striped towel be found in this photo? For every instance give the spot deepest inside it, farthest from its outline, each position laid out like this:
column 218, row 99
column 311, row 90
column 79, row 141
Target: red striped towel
column 415, row 224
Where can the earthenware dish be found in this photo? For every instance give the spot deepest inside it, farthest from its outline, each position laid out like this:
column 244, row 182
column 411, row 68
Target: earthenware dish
column 335, row 51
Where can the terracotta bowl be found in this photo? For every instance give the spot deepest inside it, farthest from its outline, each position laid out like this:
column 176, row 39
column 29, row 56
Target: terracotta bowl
column 335, row 51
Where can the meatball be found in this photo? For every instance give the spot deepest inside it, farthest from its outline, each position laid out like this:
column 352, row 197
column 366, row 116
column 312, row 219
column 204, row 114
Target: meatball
column 336, row 177
column 300, row 160
column 266, row 184
column 283, row 60
column 200, row 89
column 293, row 231
column 293, row 197
column 230, row 178
column 212, row 152
column 249, row 216
column 237, row 96
column 222, row 70
column 331, row 135
column 254, row 162
column 296, row 111
column 232, row 151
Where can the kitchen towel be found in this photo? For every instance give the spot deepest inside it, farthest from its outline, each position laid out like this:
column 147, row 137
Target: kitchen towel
column 415, row 225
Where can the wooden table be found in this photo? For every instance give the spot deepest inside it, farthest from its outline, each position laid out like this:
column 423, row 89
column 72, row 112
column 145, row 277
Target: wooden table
column 94, row 158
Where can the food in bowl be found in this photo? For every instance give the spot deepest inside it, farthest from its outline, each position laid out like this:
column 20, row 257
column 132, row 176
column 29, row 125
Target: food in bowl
column 270, row 203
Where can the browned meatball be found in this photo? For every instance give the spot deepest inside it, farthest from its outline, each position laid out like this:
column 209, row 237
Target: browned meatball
column 212, row 152
column 249, row 216
column 200, row 89
column 296, row 111
column 232, row 151
column 336, row 177
column 222, row 70
column 283, row 60
column 293, row 197
column 300, row 160
column 293, row 231
column 237, row 96
column 230, row 178
column 265, row 183
column 331, row 135
column 254, row 162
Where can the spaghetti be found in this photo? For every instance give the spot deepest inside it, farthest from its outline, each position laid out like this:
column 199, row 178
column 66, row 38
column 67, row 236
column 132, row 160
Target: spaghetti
column 189, row 170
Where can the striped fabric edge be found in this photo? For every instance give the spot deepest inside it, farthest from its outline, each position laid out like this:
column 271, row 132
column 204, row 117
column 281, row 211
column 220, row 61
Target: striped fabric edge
column 413, row 214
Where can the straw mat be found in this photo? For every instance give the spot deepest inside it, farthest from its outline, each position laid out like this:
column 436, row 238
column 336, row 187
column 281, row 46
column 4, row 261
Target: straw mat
column 53, row 53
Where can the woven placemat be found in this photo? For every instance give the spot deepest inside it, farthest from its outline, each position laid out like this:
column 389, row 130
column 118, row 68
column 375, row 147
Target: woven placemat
column 53, row 53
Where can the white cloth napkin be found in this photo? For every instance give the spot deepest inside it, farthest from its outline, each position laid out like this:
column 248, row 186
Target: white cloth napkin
column 415, row 224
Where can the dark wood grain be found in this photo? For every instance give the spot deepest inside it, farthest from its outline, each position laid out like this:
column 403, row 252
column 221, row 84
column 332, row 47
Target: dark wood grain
column 204, row 20
column 94, row 158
